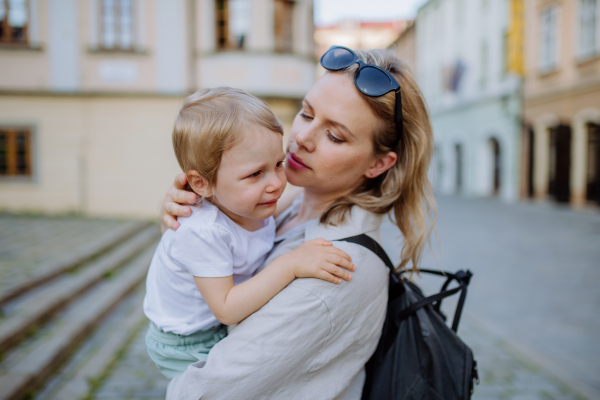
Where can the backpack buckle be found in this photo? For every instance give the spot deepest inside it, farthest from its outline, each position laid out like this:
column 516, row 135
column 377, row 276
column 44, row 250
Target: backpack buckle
column 463, row 277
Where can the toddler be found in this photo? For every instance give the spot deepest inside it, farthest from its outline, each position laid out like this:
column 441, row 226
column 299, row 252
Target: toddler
column 202, row 276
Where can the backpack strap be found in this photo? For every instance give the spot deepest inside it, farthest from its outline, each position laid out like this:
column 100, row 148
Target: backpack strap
column 371, row 244
column 397, row 289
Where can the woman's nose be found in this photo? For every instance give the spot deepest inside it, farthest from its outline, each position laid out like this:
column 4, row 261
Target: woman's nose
column 306, row 138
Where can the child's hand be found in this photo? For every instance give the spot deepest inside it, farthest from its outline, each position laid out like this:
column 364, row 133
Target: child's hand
column 319, row 259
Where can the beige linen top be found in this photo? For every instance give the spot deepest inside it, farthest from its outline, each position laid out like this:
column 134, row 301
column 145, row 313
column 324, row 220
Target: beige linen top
column 312, row 340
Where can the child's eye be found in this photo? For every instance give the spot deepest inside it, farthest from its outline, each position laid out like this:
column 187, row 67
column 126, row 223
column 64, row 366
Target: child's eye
column 254, row 175
column 279, row 164
column 306, row 117
column 334, row 139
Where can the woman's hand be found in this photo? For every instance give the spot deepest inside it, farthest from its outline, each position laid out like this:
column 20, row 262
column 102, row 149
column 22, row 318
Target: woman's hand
column 173, row 205
column 319, row 259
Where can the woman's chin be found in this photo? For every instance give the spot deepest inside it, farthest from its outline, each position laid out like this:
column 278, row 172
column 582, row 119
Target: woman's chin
column 296, row 177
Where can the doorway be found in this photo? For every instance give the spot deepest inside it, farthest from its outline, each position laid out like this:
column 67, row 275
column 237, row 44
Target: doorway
column 494, row 147
column 560, row 163
column 458, row 157
column 593, row 163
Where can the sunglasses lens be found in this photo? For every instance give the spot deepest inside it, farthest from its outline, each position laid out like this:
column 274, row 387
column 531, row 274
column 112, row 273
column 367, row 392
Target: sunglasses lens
column 335, row 59
column 372, row 81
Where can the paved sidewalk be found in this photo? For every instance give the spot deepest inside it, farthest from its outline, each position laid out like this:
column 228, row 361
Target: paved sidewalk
column 536, row 272
column 134, row 376
column 30, row 243
column 505, row 375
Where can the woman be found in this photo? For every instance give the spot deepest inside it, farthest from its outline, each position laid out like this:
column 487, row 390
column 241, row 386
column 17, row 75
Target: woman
column 356, row 160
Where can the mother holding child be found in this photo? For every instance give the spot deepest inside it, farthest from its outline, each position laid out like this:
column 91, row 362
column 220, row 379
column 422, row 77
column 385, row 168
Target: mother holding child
column 358, row 150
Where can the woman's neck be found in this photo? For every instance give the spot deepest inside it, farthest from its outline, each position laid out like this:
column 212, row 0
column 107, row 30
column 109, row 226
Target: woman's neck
column 314, row 205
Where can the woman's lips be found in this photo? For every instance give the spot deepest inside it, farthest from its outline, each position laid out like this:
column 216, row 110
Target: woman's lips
column 296, row 162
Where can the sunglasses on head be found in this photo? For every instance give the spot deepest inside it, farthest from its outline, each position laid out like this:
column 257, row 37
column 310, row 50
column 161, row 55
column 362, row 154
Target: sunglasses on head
column 370, row 79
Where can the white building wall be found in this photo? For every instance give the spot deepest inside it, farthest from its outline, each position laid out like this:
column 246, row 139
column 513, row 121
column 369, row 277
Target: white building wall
column 486, row 103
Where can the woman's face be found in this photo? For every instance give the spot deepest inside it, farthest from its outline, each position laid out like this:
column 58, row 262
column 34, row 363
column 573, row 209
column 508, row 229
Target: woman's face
column 330, row 146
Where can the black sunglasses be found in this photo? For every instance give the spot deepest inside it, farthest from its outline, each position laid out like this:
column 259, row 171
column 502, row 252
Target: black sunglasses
column 370, row 79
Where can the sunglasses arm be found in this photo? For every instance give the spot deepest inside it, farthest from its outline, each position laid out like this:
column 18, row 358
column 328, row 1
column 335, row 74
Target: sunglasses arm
column 398, row 111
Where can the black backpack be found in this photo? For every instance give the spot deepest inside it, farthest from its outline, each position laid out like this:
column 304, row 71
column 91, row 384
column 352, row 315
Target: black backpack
column 418, row 357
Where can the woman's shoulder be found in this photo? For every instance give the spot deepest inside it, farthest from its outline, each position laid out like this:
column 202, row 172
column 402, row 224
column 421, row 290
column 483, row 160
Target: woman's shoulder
column 357, row 221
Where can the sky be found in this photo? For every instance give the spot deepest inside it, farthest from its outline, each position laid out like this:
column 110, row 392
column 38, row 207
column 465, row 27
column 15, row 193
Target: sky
column 331, row 11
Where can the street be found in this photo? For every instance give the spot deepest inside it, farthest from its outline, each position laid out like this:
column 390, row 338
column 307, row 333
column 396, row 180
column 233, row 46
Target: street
column 536, row 268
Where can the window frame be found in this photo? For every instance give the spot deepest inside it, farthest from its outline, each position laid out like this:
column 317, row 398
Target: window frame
column 13, row 130
column 586, row 54
column 225, row 38
column 545, row 64
column 117, row 28
column 286, row 45
column 5, row 41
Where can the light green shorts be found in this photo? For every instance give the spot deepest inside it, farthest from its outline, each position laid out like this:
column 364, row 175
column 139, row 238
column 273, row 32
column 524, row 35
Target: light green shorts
column 172, row 353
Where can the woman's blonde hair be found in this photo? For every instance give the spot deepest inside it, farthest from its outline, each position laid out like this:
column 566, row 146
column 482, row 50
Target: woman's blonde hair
column 404, row 190
column 211, row 121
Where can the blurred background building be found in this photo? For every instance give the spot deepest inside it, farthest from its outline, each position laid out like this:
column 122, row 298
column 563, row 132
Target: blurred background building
column 514, row 92
column 561, row 144
column 473, row 93
column 356, row 34
column 89, row 90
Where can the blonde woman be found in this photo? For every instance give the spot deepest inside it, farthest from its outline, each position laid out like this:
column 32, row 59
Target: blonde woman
column 359, row 149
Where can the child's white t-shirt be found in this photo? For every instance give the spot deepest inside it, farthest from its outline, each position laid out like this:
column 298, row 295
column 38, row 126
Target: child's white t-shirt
column 207, row 244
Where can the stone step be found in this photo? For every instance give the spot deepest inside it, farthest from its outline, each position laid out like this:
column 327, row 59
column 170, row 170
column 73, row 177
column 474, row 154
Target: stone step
column 38, row 307
column 72, row 260
column 24, row 373
column 99, row 353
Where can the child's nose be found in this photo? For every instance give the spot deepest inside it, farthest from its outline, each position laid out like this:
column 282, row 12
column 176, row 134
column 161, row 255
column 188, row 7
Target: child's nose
column 275, row 183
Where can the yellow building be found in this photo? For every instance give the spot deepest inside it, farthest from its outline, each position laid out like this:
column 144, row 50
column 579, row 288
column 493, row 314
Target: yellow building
column 561, row 142
column 89, row 90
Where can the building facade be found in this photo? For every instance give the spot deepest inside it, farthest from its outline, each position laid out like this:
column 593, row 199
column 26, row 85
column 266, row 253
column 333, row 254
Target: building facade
column 89, row 90
column 358, row 35
column 468, row 68
column 405, row 46
column 561, row 139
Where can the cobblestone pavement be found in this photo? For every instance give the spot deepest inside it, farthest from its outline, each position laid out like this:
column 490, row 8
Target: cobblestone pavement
column 536, row 270
column 134, row 376
column 30, row 243
column 505, row 374
column 518, row 253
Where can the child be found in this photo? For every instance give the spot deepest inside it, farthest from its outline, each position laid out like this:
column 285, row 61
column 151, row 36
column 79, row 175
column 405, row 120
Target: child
column 201, row 277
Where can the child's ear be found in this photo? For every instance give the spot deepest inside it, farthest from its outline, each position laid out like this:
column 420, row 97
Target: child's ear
column 199, row 184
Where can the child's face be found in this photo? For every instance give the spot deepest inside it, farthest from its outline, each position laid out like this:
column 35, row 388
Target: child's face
column 251, row 177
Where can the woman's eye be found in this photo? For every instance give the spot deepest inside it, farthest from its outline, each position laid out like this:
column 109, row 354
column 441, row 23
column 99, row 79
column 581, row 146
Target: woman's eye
column 334, row 139
column 306, row 117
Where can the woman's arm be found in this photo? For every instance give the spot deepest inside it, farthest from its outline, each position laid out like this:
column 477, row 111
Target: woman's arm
column 172, row 205
column 314, row 259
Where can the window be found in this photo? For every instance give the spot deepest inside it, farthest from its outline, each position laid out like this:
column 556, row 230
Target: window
column 13, row 21
column 549, row 44
column 484, row 65
column 284, row 13
column 116, row 25
column 15, row 152
column 588, row 28
column 233, row 23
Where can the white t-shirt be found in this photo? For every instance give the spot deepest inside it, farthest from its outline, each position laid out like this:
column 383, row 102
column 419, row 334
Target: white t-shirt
column 207, row 244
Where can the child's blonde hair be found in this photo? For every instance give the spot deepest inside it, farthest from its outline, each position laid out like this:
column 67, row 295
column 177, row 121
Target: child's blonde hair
column 210, row 122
